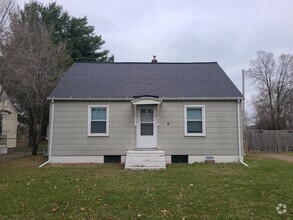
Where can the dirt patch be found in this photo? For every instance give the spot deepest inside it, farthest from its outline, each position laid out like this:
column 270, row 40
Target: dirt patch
column 283, row 157
column 13, row 156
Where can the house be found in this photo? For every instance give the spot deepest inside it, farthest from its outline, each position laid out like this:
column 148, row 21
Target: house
column 8, row 123
column 145, row 114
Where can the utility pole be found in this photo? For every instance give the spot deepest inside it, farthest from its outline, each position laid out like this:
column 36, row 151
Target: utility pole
column 243, row 103
column 243, row 93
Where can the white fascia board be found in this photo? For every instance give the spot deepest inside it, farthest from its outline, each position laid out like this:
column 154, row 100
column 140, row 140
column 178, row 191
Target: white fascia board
column 162, row 98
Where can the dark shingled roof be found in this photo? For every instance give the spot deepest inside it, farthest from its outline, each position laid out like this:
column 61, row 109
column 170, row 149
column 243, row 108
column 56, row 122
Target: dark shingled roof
column 126, row 80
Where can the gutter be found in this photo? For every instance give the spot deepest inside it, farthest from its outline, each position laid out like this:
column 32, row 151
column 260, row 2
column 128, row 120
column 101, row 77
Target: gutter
column 239, row 135
column 161, row 98
column 51, row 135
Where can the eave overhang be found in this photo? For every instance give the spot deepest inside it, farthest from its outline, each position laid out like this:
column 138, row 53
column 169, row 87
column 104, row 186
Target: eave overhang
column 161, row 98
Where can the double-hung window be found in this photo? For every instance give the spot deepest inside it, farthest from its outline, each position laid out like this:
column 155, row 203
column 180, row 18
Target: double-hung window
column 194, row 120
column 98, row 120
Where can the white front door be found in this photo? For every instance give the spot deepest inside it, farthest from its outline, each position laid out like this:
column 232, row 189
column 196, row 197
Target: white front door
column 146, row 127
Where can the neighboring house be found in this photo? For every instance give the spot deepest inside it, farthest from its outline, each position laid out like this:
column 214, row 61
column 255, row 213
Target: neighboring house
column 145, row 114
column 8, row 124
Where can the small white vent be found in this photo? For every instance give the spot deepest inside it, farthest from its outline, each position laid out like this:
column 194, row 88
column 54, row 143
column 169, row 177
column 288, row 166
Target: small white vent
column 210, row 159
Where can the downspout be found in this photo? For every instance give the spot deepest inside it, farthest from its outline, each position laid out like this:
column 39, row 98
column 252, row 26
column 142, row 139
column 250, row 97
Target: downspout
column 51, row 135
column 239, row 134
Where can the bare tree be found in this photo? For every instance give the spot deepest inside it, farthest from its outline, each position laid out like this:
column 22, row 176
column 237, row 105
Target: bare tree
column 274, row 80
column 6, row 7
column 289, row 111
column 32, row 65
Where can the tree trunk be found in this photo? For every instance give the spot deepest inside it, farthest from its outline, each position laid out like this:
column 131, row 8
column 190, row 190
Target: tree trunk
column 34, row 147
column 33, row 141
column 33, row 134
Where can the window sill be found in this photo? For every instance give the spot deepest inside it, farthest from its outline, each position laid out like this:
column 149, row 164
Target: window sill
column 98, row 135
column 195, row 135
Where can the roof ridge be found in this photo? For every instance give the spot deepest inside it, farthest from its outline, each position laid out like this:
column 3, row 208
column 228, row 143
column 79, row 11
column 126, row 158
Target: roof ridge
column 94, row 62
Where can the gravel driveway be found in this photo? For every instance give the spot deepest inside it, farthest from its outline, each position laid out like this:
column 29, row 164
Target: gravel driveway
column 283, row 157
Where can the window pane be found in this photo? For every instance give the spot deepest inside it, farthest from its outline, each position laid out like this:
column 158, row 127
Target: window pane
column 98, row 127
column 146, row 129
column 98, row 114
column 146, row 115
column 194, row 127
column 194, row 114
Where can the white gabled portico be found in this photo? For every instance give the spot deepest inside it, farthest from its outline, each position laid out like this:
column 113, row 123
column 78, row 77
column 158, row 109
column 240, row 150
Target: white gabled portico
column 146, row 120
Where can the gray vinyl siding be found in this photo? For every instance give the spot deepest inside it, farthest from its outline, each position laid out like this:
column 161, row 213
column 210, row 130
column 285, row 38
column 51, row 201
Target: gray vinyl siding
column 70, row 129
column 221, row 129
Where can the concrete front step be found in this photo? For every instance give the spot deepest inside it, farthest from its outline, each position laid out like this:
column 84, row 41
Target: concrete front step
column 145, row 159
column 3, row 149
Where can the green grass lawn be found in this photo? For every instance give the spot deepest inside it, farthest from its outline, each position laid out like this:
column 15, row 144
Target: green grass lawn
column 198, row 191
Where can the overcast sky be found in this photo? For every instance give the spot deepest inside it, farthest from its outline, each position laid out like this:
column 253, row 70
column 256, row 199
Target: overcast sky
column 227, row 31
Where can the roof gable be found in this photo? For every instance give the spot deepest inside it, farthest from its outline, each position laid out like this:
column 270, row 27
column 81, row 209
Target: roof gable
column 127, row 80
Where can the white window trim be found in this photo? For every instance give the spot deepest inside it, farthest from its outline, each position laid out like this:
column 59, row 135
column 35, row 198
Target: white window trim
column 203, row 121
column 89, row 121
